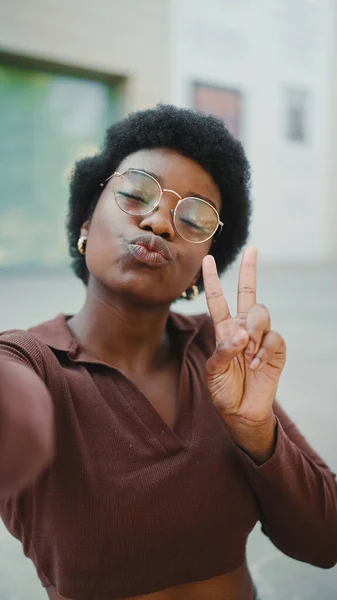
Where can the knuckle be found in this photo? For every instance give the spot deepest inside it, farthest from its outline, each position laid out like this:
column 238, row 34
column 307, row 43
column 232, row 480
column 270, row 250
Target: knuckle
column 214, row 294
column 274, row 335
column 241, row 318
column 279, row 339
column 262, row 308
column 255, row 330
column 224, row 345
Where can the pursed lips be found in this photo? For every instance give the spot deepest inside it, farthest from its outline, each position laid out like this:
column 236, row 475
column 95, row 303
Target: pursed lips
column 153, row 243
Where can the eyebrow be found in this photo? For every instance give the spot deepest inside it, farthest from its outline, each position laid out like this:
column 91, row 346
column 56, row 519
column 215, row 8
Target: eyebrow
column 201, row 198
column 157, row 177
column 187, row 195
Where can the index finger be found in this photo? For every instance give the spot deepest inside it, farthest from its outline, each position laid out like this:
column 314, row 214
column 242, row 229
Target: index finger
column 216, row 301
column 247, row 281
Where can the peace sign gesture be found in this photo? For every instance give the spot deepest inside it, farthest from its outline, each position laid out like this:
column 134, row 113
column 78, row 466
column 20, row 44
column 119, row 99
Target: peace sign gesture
column 244, row 371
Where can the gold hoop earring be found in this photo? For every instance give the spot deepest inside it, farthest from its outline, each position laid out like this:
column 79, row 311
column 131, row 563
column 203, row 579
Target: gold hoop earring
column 193, row 295
column 195, row 292
column 82, row 244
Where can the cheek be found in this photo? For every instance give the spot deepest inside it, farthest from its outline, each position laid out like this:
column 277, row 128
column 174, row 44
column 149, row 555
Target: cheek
column 107, row 217
column 109, row 223
column 105, row 233
column 195, row 253
column 191, row 260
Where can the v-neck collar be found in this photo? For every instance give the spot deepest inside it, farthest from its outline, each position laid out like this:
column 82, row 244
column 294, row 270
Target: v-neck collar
column 57, row 335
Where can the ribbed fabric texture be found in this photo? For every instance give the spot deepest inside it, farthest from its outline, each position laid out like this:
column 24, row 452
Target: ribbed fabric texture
column 131, row 506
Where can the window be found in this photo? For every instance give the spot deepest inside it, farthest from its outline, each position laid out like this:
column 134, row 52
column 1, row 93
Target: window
column 297, row 107
column 226, row 104
column 47, row 121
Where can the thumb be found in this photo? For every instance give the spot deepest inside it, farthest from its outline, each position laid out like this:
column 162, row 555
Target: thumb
column 227, row 349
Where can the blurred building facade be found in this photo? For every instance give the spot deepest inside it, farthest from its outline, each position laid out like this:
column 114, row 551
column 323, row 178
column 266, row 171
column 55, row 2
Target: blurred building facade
column 333, row 225
column 268, row 67
column 68, row 68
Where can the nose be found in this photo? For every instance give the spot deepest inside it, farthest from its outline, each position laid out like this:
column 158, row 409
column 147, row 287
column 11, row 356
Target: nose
column 159, row 221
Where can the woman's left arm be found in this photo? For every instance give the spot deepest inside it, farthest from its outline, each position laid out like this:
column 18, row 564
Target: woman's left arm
column 297, row 494
column 296, row 491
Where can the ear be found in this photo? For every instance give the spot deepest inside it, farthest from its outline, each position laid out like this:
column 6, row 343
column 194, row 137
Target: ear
column 85, row 228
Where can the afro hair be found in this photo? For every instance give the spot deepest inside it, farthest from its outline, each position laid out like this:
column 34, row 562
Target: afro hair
column 192, row 134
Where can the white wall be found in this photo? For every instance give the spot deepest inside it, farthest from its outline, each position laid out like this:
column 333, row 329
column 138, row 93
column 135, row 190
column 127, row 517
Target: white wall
column 261, row 47
column 333, row 220
column 127, row 38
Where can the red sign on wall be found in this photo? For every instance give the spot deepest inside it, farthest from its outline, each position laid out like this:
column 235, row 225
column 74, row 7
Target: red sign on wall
column 224, row 103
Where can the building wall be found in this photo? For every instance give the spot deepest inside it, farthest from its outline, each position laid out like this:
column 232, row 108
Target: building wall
column 261, row 48
column 333, row 211
column 264, row 48
column 128, row 38
column 123, row 44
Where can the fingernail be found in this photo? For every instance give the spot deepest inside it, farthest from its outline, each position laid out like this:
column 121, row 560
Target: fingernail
column 250, row 348
column 255, row 364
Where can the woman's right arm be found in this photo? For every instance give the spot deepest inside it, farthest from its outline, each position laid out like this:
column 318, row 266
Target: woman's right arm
column 26, row 422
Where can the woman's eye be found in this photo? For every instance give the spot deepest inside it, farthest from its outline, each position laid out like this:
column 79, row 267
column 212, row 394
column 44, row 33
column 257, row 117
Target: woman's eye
column 134, row 197
column 191, row 224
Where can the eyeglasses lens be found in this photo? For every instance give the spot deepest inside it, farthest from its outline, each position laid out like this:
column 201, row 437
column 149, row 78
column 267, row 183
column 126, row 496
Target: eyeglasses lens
column 137, row 193
column 195, row 220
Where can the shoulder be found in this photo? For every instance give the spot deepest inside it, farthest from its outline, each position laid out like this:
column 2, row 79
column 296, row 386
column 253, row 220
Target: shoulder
column 29, row 346
column 21, row 346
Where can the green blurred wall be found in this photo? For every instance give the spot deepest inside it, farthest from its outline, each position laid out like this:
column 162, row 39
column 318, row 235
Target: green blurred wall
column 47, row 121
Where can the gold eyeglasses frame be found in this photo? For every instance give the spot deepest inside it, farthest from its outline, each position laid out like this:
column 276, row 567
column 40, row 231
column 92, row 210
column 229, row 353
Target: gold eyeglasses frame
column 156, row 205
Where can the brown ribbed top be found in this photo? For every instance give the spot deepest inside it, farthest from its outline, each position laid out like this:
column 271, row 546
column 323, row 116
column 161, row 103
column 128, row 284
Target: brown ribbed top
column 131, row 506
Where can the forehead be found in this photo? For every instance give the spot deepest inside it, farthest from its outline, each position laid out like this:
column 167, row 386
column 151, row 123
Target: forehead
column 175, row 172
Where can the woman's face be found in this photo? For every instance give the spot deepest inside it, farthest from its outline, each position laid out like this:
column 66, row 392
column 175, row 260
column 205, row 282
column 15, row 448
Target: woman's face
column 115, row 255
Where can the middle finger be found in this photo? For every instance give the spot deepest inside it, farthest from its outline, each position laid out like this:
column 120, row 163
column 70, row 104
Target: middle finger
column 247, row 282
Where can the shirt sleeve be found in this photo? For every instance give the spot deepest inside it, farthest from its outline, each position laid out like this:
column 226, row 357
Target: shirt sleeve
column 297, row 495
column 21, row 346
column 26, row 413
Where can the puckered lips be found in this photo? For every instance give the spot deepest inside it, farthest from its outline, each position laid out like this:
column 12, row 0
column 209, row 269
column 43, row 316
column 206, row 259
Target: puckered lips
column 151, row 250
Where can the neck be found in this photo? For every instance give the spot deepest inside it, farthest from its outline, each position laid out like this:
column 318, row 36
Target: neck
column 124, row 334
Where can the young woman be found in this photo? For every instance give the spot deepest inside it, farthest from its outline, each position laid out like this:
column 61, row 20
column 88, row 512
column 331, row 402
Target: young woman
column 139, row 447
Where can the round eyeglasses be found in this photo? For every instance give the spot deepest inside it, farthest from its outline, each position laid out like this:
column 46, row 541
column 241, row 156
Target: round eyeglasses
column 139, row 193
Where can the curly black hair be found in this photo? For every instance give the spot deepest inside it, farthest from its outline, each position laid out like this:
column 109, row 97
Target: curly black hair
column 195, row 135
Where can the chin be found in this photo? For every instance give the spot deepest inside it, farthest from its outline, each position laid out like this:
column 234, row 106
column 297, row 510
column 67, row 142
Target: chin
column 146, row 298
column 133, row 290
